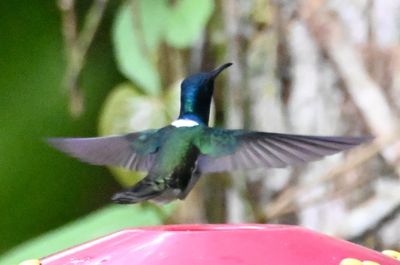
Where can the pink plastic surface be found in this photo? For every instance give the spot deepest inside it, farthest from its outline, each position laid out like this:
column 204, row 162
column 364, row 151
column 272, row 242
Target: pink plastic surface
column 216, row 244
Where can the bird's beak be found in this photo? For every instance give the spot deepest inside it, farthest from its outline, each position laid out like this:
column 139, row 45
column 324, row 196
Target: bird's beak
column 214, row 73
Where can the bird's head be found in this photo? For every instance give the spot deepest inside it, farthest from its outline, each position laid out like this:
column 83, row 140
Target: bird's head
column 196, row 94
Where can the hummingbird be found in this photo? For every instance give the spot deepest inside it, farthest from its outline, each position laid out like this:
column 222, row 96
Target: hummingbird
column 177, row 155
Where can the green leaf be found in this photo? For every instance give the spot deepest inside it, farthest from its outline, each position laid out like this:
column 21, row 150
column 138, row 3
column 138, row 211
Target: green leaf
column 172, row 100
column 153, row 14
column 135, row 46
column 99, row 223
column 127, row 110
column 187, row 20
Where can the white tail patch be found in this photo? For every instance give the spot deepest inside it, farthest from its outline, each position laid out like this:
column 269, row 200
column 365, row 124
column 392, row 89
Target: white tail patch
column 184, row 123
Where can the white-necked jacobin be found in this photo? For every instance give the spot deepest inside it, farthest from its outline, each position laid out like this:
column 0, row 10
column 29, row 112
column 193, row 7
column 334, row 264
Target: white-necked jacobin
column 177, row 155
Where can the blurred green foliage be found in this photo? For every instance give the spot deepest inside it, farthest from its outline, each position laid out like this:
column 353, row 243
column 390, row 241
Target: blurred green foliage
column 99, row 223
column 137, row 39
column 41, row 188
column 134, row 50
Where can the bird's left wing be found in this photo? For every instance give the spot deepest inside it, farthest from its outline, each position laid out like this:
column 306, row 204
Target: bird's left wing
column 225, row 150
column 135, row 151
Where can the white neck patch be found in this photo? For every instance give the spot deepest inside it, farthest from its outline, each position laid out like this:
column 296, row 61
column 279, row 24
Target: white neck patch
column 184, row 123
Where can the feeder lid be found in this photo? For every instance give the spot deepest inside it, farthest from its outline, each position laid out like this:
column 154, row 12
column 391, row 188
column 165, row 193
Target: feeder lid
column 218, row 244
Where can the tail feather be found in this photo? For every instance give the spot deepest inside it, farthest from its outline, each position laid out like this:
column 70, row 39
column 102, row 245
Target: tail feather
column 128, row 197
column 142, row 191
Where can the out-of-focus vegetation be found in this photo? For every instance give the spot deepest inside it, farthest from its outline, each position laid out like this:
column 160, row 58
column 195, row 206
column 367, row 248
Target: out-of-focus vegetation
column 40, row 188
column 100, row 223
column 309, row 67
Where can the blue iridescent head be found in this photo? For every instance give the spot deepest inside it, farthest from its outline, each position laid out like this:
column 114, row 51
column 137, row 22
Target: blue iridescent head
column 196, row 94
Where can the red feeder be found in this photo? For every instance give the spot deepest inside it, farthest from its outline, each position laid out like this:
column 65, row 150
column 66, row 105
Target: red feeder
column 219, row 245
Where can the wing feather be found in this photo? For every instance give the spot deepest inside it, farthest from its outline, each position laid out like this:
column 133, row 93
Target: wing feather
column 246, row 150
column 134, row 151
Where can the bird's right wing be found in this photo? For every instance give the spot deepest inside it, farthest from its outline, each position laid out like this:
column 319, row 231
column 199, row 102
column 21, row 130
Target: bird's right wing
column 226, row 150
column 135, row 151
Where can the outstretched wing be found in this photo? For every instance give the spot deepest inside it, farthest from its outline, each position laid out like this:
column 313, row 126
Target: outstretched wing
column 135, row 151
column 225, row 150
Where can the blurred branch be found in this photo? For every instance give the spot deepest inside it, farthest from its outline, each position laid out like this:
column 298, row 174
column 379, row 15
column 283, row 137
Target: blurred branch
column 235, row 76
column 284, row 60
column 234, row 102
column 384, row 219
column 287, row 201
column 67, row 8
column 370, row 217
column 77, row 45
column 363, row 90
